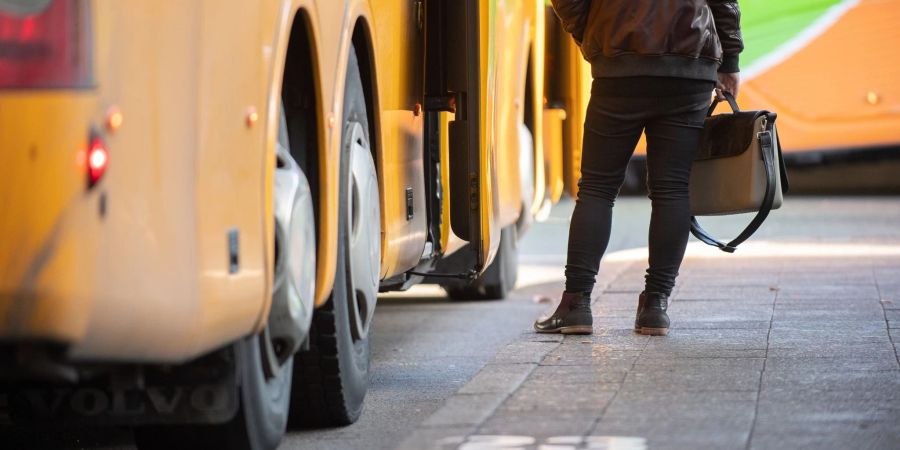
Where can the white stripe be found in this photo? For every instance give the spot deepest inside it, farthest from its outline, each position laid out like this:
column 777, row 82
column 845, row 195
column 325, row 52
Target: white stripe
column 799, row 41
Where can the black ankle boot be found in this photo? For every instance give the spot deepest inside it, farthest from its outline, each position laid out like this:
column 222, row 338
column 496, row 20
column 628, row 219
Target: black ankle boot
column 572, row 316
column 641, row 299
column 651, row 317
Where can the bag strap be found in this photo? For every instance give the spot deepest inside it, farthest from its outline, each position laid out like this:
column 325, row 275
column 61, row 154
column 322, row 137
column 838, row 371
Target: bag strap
column 768, row 156
column 731, row 102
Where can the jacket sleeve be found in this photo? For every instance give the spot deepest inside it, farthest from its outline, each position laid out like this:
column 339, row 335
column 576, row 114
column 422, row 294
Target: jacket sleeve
column 727, row 16
column 573, row 15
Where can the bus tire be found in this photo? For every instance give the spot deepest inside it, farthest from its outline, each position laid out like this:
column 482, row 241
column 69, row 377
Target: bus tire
column 259, row 423
column 331, row 377
column 500, row 277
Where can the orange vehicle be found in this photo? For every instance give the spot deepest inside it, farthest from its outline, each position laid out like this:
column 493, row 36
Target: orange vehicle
column 200, row 200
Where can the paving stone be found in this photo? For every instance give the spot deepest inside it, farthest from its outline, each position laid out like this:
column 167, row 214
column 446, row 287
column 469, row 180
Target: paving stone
column 660, row 432
column 708, row 344
column 879, row 350
column 828, row 279
column 724, row 315
column 498, row 378
column 780, row 337
column 524, row 352
column 890, row 305
column 810, row 314
column 726, row 293
column 847, row 363
column 709, row 364
column 663, row 404
column 614, row 313
column 799, row 401
column 614, row 323
column 718, row 324
column 697, row 378
column 700, row 350
column 714, row 279
column 595, row 354
column 837, row 435
column 893, row 317
column 829, row 324
column 614, row 339
column 890, row 293
column 444, row 438
column 533, row 396
column 701, row 309
column 747, row 337
column 465, row 410
column 595, row 375
column 540, row 424
column 617, row 298
column 531, row 336
column 832, row 380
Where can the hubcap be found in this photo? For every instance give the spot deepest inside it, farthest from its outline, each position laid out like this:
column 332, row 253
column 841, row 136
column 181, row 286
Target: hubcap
column 295, row 260
column 364, row 220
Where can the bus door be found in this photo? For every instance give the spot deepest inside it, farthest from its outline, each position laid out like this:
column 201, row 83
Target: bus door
column 462, row 77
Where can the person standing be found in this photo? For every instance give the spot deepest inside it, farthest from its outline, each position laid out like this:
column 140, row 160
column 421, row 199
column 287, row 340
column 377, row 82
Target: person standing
column 655, row 64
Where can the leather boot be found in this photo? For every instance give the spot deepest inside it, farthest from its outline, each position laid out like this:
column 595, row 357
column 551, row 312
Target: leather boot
column 641, row 299
column 651, row 318
column 572, row 316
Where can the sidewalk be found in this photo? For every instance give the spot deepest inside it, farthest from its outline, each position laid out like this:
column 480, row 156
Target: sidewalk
column 777, row 346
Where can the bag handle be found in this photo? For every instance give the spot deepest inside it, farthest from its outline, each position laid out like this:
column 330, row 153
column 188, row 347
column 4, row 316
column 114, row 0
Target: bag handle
column 731, row 102
column 768, row 156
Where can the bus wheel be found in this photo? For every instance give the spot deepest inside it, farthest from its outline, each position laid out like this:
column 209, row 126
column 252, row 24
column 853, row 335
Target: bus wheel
column 500, row 277
column 259, row 423
column 331, row 377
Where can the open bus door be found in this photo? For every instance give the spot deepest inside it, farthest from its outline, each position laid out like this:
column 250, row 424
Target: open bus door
column 462, row 73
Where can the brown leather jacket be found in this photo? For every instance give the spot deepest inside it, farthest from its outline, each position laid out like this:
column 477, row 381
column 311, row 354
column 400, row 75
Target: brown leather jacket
column 675, row 38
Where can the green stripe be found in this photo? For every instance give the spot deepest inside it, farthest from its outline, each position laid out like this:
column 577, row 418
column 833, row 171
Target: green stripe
column 766, row 24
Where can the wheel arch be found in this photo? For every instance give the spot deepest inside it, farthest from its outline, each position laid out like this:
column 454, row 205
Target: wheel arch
column 365, row 56
column 302, row 96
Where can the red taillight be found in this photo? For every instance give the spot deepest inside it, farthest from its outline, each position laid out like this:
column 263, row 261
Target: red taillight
column 45, row 44
column 97, row 160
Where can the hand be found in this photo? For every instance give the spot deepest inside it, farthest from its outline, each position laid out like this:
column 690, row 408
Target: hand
column 728, row 82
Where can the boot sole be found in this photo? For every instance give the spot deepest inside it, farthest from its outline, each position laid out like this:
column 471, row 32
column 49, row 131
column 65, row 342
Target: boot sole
column 579, row 329
column 653, row 331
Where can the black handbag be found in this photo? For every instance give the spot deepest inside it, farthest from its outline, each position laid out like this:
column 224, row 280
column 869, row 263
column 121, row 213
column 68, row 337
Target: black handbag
column 738, row 169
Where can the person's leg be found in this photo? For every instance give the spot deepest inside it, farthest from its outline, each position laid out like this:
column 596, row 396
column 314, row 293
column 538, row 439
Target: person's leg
column 611, row 132
column 672, row 141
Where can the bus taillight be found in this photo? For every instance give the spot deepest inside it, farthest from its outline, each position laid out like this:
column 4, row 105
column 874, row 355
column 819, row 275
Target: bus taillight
column 97, row 160
column 45, row 44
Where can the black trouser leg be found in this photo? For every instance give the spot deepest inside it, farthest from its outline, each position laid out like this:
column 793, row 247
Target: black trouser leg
column 672, row 141
column 609, row 141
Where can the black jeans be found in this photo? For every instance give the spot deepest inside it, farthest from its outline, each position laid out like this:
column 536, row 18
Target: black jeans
column 612, row 127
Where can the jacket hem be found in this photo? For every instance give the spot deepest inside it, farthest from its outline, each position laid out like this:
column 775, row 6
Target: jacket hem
column 634, row 65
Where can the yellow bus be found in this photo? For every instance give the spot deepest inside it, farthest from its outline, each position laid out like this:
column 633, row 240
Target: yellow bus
column 200, row 200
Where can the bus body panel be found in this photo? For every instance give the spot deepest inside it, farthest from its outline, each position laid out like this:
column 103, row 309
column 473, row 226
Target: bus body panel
column 138, row 267
column 398, row 72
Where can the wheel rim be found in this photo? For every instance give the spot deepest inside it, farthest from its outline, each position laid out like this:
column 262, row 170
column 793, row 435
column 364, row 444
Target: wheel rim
column 364, row 231
column 294, row 268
